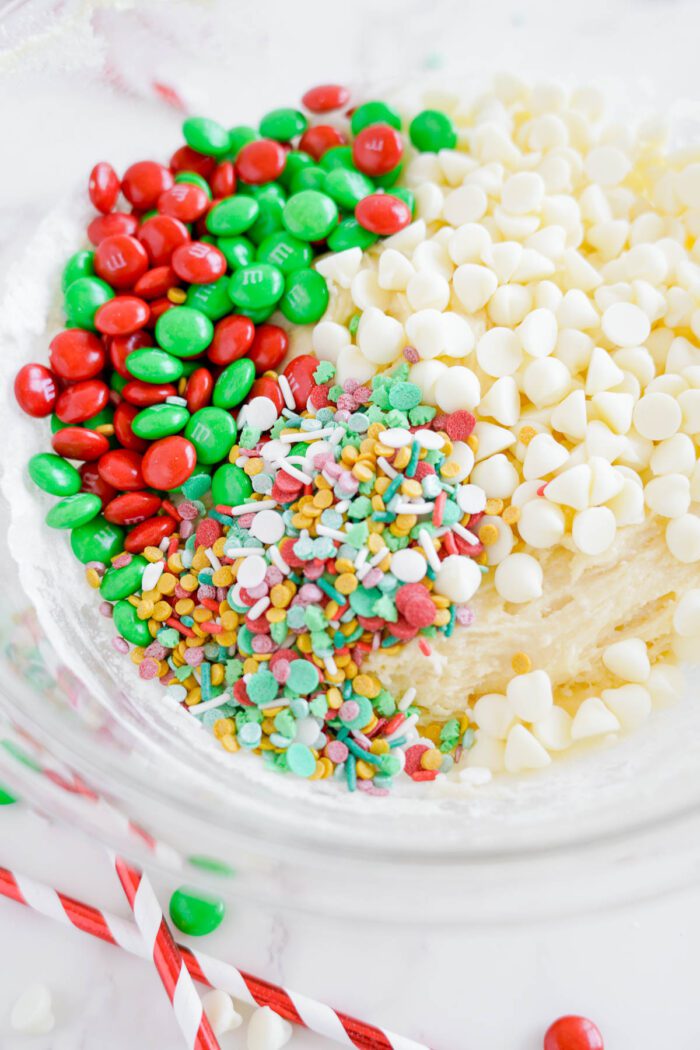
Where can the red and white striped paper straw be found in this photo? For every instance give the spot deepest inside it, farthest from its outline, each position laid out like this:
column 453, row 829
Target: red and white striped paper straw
column 214, row 973
column 167, row 958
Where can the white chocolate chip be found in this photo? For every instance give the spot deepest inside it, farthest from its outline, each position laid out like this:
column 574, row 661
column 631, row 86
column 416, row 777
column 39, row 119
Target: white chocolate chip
column 593, row 530
column 219, row 1008
column 631, row 704
column 657, row 416
column 518, row 578
column 32, row 1013
column 458, row 578
column 499, row 352
column 457, row 388
column 524, row 751
column 494, row 715
column 541, row 524
column 530, row 695
column 267, row 1030
column 628, row 660
column 683, row 538
column 624, row 324
column 593, row 719
column 668, row 496
column 554, row 730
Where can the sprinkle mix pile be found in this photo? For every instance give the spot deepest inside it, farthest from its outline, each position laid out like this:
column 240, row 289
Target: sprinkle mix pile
column 253, row 556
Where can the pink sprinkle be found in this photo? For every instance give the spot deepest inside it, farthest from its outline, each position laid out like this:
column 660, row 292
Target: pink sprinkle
column 262, row 643
column 424, row 647
column 342, row 416
column 221, row 593
column 280, row 670
column 465, row 616
column 168, row 678
column 370, row 789
column 273, row 576
column 259, row 591
column 314, row 569
column 187, row 511
column 180, row 592
column 349, row 710
column 350, row 385
column 346, row 403
column 309, row 592
column 205, row 591
column 148, row 669
column 372, row 578
column 194, row 656
column 122, row 560
column 106, row 610
column 246, row 520
column 322, row 460
column 186, row 529
column 120, row 644
column 98, row 566
column 156, row 650
column 362, row 395
column 333, row 469
column 337, row 751
column 411, row 354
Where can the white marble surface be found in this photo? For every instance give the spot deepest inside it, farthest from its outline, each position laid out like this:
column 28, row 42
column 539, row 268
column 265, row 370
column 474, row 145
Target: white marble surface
column 633, row 971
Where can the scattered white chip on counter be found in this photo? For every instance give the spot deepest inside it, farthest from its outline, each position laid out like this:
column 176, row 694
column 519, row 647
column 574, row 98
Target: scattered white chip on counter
column 221, row 1012
column 267, row 1030
column 32, row 1013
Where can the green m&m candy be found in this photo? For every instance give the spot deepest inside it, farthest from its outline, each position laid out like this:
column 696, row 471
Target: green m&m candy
column 285, row 252
column 210, row 299
column 431, row 131
column 234, row 383
column 237, row 251
column 283, row 125
column 6, row 799
column 154, row 366
column 305, row 297
column 98, row 540
column 296, row 161
column 195, row 179
column 310, row 178
column 124, row 581
column 347, row 188
column 206, row 136
column 238, row 137
column 212, row 431
column 310, row 215
column 256, row 287
column 128, row 624
column 374, row 113
column 183, row 331
column 337, row 157
column 233, row 216
column 349, row 234
column 230, row 486
column 54, row 474
column 80, row 264
column 196, row 913
column 83, row 299
column 75, row 510
column 159, row 421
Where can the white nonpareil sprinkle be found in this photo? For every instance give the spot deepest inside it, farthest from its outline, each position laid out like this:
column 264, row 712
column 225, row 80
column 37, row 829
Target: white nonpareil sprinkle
column 261, row 413
column 244, row 552
column 252, row 508
column 209, row 705
column 277, row 560
column 286, row 392
column 212, row 559
column 259, row 608
column 252, row 571
column 429, row 547
column 152, row 573
column 268, row 526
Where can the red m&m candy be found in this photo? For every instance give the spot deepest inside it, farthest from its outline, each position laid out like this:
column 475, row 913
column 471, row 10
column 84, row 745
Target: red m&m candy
column 126, row 314
column 76, row 354
column 299, row 373
column 233, row 338
column 268, row 347
column 187, row 159
column 132, row 507
column 169, row 462
column 144, row 182
column 122, row 345
column 325, row 97
column 35, row 390
column 223, row 179
column 377, row 149
column 183, row 201
column 319, row 139
column 199, row 389
column 79, row 443
column 261, row 161
column 103, row 187
column 82, row 401
column 120, row 260
column 117, row 222
column 156, row 282
column 266, row 386
column 92, row 482
column 124, row 415
column 383, row 214
column 160, row 236
column 198, row 262
column 573, row 1033
column 121, row 468
column 149, row 533
column 143, row 395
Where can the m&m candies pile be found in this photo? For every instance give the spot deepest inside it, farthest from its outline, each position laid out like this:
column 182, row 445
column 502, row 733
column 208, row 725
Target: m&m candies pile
column 256, row 530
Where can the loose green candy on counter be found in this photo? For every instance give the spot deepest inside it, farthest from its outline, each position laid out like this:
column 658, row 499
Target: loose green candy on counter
column 206, row 136
column 128, row 624
column 305, row 297
column 196, row 913
column 212, row 431
column 374, row 112
column 234, row 383
column 337, row 157
column 6, row 799
column 349, row 234
column 195, row 179
column 309, row 178
column 256, row 287
column 233, row 216
column 230, row 486
column 347, row 187
column 154, row 366
column 124, row 581
column 238, row 137
column 97, row 540
column 184, row 331
column 210, row 299
column 285, row 252
column 83, row 299
column 54, row 474
column 283, row 125
column 310, row 215
column 80, row 264
column 237, row 251
column 431, row 131
column 72, row 511
column 158, row 421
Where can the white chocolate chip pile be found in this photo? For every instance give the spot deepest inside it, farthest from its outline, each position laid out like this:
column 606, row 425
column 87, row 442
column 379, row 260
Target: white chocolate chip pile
column 550, row 285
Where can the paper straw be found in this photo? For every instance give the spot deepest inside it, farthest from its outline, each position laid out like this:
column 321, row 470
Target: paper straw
column 299, row 1009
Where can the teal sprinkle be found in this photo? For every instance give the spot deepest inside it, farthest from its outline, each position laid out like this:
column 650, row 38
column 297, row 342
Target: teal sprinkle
column 357, row 535
column 399, row 741
column 393, row 487
column 421, row 415
column 357, row 633
column 330, row 590
column 335, row 392
column 314, row 618
column 331, row 518
column 386, row 609
column 223, row 518
column 389, row 641
column 384, row 704
column 262, row 483
column 358, row 422
column 295, row 617
column 451, row 513
column 299, row 707
column 182, row 673
column 278, row 631
column 468, row 739
column 451, row 625
column 262, row 687
column 383, row 515
column 360, row 508
column 401, row 372
column 359, row 752
column 350, row 774
column 280, row 741
column 168, row 637
column 413, row 461
column 187, row 620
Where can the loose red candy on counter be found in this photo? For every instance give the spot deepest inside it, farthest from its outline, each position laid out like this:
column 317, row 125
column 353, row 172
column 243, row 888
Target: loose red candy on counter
column 223, row 179
column 103, row 187
column 76, row 354
column 120, row 260
column 156, row 282
column 319, row 139
column 144, row 182
column 268, row 347
column 573, row 1033
column 266, row 386
column 377, row 149
column 122, row 469
column 199, row 389
column 123, row 315
column 149, row 533
column 233, row 338
column 383, row 214
column 79, row 443
column 299, row 373
column 124, row 415
column 120, row 346
column 184, row 201
column 112, row 225
column 132, row 507
column 160, row 236
column 143, row 395
column 261, row 161
column 187, row 159
column 198, row 263
column 82, row 401
column 325, row 97
column 35, row 390
column 169, row 462
column 92, row 482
